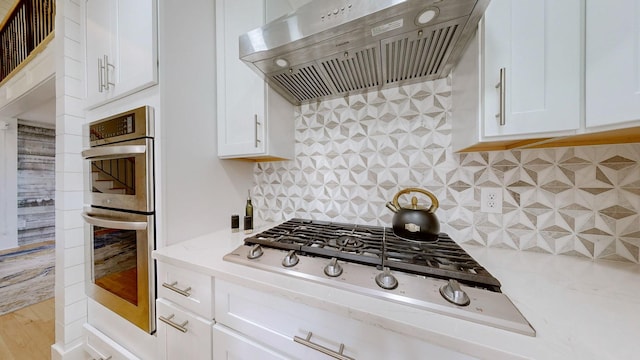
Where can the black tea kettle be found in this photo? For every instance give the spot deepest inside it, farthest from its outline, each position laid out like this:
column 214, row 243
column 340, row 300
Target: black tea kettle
column 415, row 222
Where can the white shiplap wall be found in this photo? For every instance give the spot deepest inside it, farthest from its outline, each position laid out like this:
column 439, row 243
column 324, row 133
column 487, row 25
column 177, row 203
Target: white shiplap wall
column 71, row 303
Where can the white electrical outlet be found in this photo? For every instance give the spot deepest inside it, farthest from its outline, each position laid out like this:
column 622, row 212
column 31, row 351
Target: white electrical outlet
column 491, row 200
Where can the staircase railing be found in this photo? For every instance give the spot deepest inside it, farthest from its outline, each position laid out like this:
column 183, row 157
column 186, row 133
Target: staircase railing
column 25, row 31
column 120, row 171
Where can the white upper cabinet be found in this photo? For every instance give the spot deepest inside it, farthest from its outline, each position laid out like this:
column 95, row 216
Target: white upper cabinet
column 253, row 120
column 520, row 77
column 121, row 48
column 612, row 62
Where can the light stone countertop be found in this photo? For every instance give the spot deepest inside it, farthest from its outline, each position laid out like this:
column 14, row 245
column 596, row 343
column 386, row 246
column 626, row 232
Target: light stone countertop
column 580, row 309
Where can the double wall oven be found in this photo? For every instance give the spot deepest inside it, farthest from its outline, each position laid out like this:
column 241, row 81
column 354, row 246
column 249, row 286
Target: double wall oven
column 120, row 222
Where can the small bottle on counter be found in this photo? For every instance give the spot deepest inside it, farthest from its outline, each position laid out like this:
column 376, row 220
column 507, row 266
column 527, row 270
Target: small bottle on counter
column 235, row 223
column 248, row 224
column 248, row 218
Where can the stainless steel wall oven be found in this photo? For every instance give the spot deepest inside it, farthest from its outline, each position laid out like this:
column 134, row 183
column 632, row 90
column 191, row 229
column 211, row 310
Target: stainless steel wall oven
column 120, row 221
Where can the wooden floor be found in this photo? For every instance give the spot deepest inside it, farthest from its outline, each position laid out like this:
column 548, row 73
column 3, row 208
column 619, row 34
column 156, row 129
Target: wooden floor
column 28, row 333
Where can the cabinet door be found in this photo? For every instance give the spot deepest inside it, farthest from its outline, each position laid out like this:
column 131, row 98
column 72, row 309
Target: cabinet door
column 538, row 44
column 227, row 344
column 100, row 18
column 194, row 342
column 275, row 321
column 190, row 290
column 99, row 346
column 136, row 52
column 121, row 48
column 612, row 62
column 253, row 120
column 241, row 92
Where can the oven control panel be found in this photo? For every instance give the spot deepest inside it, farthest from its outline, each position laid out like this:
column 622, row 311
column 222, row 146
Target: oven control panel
column 114, row 127
column 129, row 125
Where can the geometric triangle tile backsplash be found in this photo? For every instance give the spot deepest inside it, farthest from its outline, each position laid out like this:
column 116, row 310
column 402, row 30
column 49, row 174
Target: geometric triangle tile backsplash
column 354, row 154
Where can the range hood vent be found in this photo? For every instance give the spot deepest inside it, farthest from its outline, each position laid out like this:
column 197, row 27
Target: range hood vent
column 328, row 49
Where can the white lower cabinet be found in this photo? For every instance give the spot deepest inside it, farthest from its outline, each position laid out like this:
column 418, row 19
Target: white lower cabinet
column 209, row 318
column 279, row 325
column 182, row 334
column 191, row 290
column 98, row 346
column 228, row 344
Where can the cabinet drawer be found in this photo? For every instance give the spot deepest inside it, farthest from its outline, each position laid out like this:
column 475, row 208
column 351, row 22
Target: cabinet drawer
column 228, row 344
column 186, row 288
column 275, row 321
column 182, row 334
column 99, row 346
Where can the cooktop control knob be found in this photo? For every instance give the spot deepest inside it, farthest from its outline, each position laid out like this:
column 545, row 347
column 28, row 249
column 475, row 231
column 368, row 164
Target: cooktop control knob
column 333, row 269
column 386, row 280
column 452, row 292
column 291, row 259
column 255, row 252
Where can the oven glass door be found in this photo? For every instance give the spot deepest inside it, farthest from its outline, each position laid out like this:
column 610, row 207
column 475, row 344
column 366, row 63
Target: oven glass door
column 121, row 175
column 122, row 273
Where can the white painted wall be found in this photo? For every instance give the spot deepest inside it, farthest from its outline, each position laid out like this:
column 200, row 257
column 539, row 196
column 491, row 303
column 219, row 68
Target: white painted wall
column 199, row 191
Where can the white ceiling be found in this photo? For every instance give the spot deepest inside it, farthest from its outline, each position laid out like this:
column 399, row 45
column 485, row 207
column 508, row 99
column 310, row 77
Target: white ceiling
column 5, row 5
column 38, row 105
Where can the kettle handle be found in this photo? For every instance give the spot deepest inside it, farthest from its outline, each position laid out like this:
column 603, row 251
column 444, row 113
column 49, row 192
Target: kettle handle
column 434, row 200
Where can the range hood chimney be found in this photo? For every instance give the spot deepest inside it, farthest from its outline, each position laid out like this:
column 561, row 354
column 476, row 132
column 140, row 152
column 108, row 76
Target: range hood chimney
column 327, row 49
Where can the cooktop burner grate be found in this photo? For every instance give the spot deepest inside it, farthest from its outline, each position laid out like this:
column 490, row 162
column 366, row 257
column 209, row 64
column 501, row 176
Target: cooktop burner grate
column 377, row 246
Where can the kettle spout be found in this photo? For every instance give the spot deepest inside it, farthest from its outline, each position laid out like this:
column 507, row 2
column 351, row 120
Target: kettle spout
column 392, row 207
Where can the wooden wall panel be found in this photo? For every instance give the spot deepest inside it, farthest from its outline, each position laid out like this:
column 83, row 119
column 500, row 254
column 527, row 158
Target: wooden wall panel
column 36, row 184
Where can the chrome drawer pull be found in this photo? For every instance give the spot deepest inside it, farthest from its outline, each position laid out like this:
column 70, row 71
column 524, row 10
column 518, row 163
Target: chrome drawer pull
column 106, row 73
column 100, row 75
column 167, row 320
column 256, row 123
column 307, row 342
column 502, row 86
column 172, row 286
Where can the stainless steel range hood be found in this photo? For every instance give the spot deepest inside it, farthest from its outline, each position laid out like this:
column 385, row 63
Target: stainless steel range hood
column 335, row 48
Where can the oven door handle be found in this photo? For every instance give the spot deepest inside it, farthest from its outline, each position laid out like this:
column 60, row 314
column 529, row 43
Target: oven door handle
column 109, row 152
column 114, row 224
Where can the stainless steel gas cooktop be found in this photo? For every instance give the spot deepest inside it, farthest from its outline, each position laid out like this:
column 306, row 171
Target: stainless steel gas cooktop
column 437, row 276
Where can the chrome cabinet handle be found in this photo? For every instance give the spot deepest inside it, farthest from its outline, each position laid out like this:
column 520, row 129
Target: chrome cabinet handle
column 106, row 72
column 113, row 224
column 167, row 320
column 112, row 152
column 502, row 86
column 256, row 123
column 100, row 75
column 307, row 342
column 172, row 286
